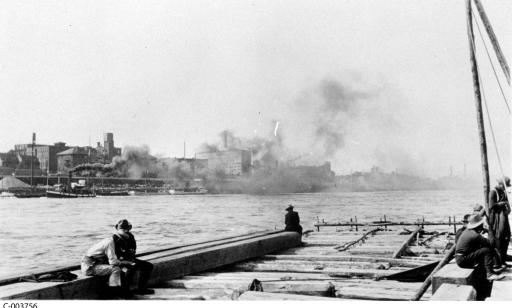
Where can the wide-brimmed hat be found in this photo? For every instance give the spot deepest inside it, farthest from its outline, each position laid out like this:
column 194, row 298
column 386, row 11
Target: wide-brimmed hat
column 475, row 221
column 124, row 224
column 289, row 208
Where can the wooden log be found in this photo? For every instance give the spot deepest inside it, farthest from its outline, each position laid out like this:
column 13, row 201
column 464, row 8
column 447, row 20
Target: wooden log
column 492, row 37
column 188, row 294
column 164, row 268
column 334, row 272
column 376, row 294
column 453, row 292
column 316, row 288
column 345, row 246
column 318, row 264
column 264, row 296
column 310, row 265
column 394, row 262
column 406, row 243
column 428, row 281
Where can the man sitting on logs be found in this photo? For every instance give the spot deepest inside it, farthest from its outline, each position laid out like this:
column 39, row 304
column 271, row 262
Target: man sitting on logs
column 125, row 247
column 110, row 257
column 292, row 220
column 473, row 249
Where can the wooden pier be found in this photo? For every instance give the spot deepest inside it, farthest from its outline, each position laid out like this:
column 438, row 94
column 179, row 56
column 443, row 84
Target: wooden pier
column 336, row 263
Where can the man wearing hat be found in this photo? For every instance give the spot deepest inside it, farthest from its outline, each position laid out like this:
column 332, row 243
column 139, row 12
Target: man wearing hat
column 499, row 226
column 125, row 248
column 464, row 227
column 292, row 220
column 472, row 248
column 108, row 258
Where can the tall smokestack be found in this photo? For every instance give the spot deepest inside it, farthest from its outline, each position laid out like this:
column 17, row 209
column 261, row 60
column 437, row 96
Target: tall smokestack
column 225, row 140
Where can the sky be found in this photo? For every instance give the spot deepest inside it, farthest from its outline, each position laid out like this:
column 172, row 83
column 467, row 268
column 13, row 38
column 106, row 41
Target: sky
column 358, row 83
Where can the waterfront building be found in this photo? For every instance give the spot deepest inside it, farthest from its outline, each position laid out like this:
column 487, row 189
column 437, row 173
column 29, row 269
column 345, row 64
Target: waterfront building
column 71, row 158
column 46, row 154
column 232, row 162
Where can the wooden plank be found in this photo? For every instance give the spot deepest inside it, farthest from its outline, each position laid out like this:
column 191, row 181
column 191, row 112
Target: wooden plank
column 334, row 272
column 375, row 294
column 453, row 292
column 321, row 264
column 394, row 262
column 452, row 273
column 164, row 268
column 188, row 294
column 316, row 288
column 267, row 296
column 406, row 243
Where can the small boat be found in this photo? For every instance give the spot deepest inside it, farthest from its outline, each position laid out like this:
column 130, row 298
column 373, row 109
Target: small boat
column 73, row 194
column 111, row 193
column 188, row 191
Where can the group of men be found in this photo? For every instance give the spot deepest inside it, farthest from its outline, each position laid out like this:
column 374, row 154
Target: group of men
column 474, row 249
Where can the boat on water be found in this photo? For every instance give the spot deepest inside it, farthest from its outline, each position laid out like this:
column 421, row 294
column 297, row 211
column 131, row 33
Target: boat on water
column 111, row 193
column 188, row 191
column 75, row 190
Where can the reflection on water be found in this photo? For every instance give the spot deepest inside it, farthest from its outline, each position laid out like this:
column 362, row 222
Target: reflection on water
column 37, row 233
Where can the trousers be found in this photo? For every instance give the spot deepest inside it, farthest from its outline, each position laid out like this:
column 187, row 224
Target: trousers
column 92, row 267
column 483, row 256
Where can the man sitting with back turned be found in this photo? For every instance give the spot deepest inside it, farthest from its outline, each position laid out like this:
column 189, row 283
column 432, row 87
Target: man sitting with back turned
column 292, row 220
column 474, row 249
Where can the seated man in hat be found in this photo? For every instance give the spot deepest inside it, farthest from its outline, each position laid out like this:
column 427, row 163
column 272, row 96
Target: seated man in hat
column 125, row 248
column 474, row 249
column 105, row 259
column 292, row 220
column 464, row 227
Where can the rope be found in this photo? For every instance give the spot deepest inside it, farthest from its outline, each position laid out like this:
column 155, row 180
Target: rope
column 490, row 123
column 492, row 65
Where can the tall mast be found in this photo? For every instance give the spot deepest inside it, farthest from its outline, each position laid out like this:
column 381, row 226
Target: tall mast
column 478, row 104
column 32, row 160
column 494, row 40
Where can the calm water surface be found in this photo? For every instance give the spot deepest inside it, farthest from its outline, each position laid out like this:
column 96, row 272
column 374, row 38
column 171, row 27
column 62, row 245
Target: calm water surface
column 38, row 233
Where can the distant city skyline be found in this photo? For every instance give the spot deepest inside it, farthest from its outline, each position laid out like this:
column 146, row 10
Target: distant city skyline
column 358, row 83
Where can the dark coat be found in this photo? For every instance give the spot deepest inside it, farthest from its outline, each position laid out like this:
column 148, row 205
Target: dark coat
column 498, row 215
column 125, row 248
column 292, row 222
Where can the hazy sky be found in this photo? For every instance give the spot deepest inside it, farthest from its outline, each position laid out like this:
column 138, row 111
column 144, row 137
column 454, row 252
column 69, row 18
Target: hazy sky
column 163, row 72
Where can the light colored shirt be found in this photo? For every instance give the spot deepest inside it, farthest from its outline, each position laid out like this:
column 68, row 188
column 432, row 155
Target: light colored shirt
column 104, row 248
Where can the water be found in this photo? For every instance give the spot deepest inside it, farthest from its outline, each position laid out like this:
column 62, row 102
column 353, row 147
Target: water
column 40, row 233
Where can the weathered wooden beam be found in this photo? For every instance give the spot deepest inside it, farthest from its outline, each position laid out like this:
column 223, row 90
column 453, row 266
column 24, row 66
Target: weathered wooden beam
column 267, row 296
column 165, row 267
column 454, row 292
column 406, row 243
column 316, row 288
column 350, row 258
column 492, row 37
column 448, row 256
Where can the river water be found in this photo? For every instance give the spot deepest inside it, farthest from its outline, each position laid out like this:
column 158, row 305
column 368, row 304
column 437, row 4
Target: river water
column 40, row 233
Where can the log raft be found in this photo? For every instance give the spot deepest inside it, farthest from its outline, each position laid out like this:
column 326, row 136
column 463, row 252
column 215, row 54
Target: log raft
column 276, row 266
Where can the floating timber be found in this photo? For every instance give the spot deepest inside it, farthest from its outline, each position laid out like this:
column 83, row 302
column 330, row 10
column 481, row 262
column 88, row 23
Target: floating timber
column 370, row 263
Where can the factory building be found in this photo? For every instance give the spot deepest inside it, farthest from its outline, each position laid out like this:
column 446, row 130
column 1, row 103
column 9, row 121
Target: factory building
column 71, row 158
column 46, row 155
column 232, row 162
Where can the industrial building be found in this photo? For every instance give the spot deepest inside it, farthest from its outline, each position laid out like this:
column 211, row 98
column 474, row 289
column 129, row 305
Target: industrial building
column 71, row 158
column 232, row 162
